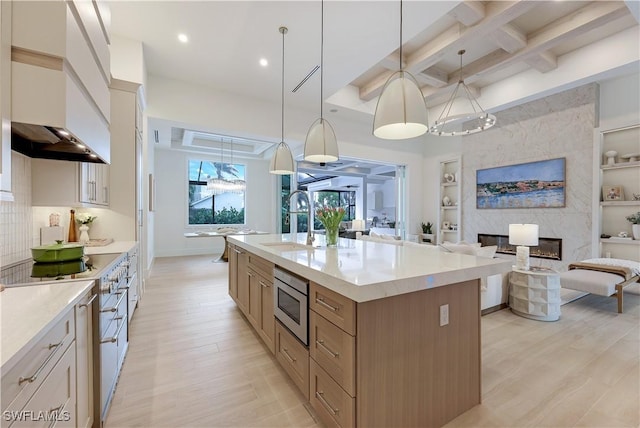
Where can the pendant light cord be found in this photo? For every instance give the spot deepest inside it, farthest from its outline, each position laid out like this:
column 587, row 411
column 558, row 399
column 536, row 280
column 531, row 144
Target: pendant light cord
column 283, row 30
column 400, row 35
column 321, row 56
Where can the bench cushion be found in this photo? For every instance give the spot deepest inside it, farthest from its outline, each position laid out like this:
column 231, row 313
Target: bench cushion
column 589, row 281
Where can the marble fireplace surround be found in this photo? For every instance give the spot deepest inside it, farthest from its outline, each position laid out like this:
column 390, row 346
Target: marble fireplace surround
column 560, row 125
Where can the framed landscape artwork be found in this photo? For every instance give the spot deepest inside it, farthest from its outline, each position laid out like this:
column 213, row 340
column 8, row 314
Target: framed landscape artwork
column 527, row 185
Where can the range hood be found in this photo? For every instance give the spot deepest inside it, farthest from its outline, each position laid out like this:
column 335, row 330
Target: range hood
column 47, row 142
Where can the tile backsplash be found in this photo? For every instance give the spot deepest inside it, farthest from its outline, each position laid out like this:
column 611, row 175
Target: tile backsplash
column 16, row 218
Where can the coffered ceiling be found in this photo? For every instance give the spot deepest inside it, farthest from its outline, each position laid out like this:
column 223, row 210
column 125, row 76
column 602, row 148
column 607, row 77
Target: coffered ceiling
column 502, row 39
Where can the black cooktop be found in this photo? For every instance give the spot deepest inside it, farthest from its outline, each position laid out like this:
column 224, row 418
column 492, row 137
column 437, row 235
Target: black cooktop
column 28, row 271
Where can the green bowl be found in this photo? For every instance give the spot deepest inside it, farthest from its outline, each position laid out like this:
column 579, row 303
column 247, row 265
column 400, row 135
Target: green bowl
column 57, row 253
column 54, row 270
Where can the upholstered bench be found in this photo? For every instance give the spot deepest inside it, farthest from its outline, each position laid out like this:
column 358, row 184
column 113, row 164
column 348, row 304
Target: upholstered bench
column 604, row 277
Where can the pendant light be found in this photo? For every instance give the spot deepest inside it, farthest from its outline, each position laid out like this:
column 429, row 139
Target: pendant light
column 474, row 121
column 282, row 160
column 401, row 111
column 221, row 185
column 321, row 145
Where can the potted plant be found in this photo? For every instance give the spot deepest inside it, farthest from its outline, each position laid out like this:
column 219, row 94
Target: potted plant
column 635, row 224
column 427, row 234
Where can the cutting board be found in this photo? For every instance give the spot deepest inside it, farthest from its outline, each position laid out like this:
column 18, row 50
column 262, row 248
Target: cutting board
column 49, row 235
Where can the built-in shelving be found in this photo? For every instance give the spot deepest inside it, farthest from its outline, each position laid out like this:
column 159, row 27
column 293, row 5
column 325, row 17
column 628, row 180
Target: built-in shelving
column 610, row 216
column 450, row 188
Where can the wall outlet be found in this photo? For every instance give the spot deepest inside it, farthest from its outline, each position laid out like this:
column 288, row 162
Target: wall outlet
column 444, row 315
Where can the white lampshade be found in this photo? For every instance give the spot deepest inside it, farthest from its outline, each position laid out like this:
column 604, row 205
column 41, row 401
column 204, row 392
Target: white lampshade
column 523, row 234
column 282, row 160
column 321, row 145
column 401, row 111
column 358, row 224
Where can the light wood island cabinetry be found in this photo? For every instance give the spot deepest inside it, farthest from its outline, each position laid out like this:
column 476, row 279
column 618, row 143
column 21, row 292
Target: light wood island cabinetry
column 251, row 286
column 385, row 362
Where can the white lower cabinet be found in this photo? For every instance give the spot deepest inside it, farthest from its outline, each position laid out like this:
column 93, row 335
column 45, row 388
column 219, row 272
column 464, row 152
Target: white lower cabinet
column 84, row 360
column 54, row 403
column 41, row 388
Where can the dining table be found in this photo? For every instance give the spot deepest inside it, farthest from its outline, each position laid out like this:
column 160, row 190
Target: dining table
column 222, row 232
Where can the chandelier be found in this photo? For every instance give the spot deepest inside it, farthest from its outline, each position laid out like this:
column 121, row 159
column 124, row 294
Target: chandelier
column 221, row 185
column 474, row 121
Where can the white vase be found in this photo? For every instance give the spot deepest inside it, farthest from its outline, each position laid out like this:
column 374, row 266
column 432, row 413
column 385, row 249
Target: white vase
column 635, row 228
column 84, row 233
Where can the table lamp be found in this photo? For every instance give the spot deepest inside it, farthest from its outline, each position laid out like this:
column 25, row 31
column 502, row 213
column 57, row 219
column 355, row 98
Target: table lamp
column 524, row 236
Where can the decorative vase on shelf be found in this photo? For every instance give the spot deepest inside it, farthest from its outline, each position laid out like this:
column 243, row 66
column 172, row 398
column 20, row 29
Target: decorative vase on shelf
column 84, row 234
column 635, row 228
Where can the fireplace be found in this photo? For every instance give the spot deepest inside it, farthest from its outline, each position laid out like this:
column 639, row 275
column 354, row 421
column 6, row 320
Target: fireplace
column 548, row 248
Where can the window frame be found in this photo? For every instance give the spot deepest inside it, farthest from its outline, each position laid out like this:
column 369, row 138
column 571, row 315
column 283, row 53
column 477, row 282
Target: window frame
column 203, row 182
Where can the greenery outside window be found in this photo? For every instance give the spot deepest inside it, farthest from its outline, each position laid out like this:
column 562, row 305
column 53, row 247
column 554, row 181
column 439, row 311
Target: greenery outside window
column 204, row 206
column 335, row 198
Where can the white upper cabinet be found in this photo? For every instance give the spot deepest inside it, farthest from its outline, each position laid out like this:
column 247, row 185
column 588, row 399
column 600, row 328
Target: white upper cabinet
column 60, row 69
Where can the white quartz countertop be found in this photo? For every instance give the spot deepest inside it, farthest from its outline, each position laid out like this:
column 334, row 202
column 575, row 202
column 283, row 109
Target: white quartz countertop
column 114, row 247
column 28, row 312
column 365, row 270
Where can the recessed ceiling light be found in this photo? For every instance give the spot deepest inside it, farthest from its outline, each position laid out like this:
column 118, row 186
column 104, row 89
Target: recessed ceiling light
column 264, row 62
column 183, row 38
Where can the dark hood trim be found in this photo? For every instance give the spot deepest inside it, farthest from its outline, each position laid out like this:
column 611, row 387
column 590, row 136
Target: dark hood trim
column 43, row 142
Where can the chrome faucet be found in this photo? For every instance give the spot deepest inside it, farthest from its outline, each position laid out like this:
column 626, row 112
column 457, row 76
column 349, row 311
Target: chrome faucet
column 310, row 237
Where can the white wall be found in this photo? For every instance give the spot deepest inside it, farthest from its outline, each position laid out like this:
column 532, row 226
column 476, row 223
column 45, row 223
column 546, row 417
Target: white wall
column 620, row 100
column 171, row 215
column 232, row 114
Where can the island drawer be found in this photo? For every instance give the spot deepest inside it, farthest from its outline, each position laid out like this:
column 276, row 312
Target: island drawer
column 332, row 404
column 338, row 309
column 21, row 382
column 261, row 266
column 293, row 357
column 334, row 350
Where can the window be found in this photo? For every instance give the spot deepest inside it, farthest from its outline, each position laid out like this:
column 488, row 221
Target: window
column 334, row 198
column 205, row 207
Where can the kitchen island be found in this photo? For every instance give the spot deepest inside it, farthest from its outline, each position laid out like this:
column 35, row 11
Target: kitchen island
column 394, row 330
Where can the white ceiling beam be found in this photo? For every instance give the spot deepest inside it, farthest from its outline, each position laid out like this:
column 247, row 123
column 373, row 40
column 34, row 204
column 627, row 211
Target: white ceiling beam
column 509, row 38
column 391, row 62
column 468, row 12
column 497, row 15
column 543, row 62
column 579, row 22
column 433, row 77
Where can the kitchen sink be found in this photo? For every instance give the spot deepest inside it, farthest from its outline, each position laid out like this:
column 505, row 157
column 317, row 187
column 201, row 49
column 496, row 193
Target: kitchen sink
column 288, row 246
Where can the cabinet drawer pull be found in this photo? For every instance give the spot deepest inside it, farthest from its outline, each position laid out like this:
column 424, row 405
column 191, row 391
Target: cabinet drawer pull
column 55, row 411
column 320, row 396
column 321, row 302
column 264, row 285
column 34, row 376
column 321, row 344
column 84, row 305
column 115, row 308
column 285, row 352
column 114, row 338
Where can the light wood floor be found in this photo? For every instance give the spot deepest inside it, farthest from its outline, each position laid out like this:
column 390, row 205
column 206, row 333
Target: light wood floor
column 194, row 361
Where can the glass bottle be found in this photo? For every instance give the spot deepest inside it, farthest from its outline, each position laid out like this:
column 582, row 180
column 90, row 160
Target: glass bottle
column 73, row 237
